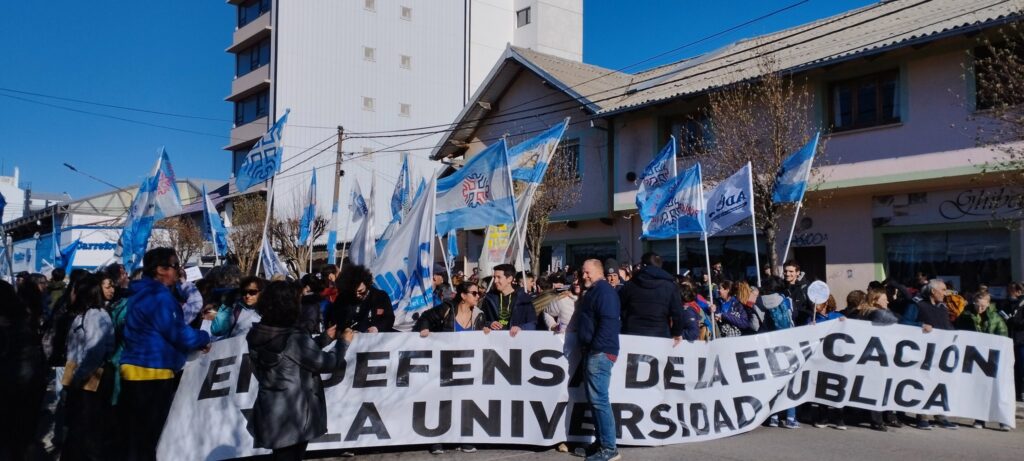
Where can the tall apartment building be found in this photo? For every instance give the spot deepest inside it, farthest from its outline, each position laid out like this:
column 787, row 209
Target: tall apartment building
column 372, row 66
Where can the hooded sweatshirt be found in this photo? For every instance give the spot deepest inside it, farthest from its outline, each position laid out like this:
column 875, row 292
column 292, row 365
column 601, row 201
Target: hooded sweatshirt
column 155, row 333
column 651, row 305
column 290, row 406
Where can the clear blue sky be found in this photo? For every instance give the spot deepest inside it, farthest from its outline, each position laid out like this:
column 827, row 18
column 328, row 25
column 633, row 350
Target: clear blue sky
column 169, row 57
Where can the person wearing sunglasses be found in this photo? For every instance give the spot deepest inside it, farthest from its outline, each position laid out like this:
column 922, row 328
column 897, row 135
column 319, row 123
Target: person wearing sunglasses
column 458, row 315
column 237, row 319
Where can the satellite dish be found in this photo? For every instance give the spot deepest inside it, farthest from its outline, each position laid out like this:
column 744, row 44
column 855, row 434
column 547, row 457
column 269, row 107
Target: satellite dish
column 817, row 292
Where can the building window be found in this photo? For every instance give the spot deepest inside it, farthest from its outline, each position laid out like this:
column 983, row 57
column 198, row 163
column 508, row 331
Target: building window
column 569, row 151
column 404, row 110
column 692, row 132
column 252, row 58
column 406, row 62
column 367, row 103
column 407, row 13
column 872, row 100
column 370, row 5
column 252, row 9
column 523, row 17
column 996, row 72
column 369, row 54
column 251, row 108
column 963, row 258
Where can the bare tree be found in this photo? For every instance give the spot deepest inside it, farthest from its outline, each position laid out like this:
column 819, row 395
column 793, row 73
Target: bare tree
column 998, row 70
column 761, row 122
column 286, row 237
column 561, row 190
column 247, row 229
column 181, row 233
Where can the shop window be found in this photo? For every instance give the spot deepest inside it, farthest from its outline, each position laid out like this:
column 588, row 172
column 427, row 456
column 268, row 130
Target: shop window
column 523, row 17
column 249, row 11
column 692, row 132
column 863, row 102
column 965, row 259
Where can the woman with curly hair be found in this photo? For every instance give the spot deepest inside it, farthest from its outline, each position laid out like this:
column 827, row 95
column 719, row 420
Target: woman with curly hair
column 359, row 305
column 290, row 408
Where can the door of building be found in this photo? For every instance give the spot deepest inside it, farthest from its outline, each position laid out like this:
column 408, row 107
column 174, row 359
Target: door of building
column 812, row 262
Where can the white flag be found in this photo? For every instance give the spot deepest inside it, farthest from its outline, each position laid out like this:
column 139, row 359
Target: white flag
column 403, row 268
column 730, row 202
column 363, row 251
column 271, row 264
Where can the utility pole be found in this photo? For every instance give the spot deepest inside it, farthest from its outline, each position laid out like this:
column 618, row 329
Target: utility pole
column 332, row 243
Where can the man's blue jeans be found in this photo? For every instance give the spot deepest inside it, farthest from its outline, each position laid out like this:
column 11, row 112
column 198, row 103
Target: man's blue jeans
column 599, row 375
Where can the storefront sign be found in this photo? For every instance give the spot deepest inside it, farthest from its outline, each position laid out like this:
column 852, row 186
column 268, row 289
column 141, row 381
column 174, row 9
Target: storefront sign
column 987, row 203
column 944, row 206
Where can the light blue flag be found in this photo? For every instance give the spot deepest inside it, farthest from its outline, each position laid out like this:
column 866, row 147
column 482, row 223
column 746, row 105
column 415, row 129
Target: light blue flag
column 308, row 214
column 529, row 159
column 363, row 250
column 652, row 191
column 791, row 180
column 453, row 247
column 165, row 192
column 419, row 190
column 67, row 255
column 479, row 194
column 3, row 205
column 213, row 228
column 332, row 235
column 271, row 263
column 264, row 159
column 730, row 202
column 58, row 260
column 400, row 198
column 403, row 269
column 683, row 210
column 155, row 199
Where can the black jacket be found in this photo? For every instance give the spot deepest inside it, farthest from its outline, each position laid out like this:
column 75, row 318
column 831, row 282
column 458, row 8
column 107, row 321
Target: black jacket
column 523, row 314
column 803, row 308
column 935, row 315
column 1014, row 313
column 374, row 311
column 651, row 305
column 290, row 406
column 442, row 319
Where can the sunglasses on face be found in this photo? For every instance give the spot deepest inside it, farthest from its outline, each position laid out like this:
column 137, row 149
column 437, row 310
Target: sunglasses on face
column 252, row 292
column 175, row 266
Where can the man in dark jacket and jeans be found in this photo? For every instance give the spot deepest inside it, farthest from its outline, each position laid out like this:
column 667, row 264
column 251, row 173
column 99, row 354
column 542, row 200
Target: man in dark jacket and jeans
column 933, row 314
column 510, row 308
column 651, row 305
column 597, row 328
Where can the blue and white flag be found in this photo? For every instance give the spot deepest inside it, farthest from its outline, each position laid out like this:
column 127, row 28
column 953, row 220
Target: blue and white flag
column 213, row 228
column 156, row 198
column 58, row 260
column 453, row 248
column 264, row 159
column 403, row 269
column 332, row 235
column 682, row 212
column 271, row 264
column 363, row 250
column 165, row 195
column 308, row 214
column 3, row 205
column 401, row 198
column 731, row 201
column 479, row 194
column 529, row 159
column 652, row 191
column 791, row 180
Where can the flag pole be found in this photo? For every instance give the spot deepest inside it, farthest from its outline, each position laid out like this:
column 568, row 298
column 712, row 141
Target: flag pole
column 792, row 228
column 753, row 224
column 266, row 222
column 707, row 259
column 675, row 173
column 445, row 257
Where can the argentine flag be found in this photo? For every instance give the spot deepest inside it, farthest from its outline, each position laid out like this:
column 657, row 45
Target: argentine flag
column 682, row 211
column 479, row 194
column 308, row 214
column 213, row 227
column 791, row 180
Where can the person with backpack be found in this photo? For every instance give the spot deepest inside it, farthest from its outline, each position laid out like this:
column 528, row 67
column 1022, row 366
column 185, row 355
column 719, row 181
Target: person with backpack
column 775, row 310
column 86, row 377
column 237, row 319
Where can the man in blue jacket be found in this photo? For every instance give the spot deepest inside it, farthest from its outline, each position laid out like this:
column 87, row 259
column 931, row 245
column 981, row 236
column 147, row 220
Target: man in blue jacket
column 510, row 308
column 597, row 328
column 156, row 342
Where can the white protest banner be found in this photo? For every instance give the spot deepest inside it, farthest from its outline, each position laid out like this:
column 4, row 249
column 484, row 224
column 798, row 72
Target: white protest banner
column 401, row 389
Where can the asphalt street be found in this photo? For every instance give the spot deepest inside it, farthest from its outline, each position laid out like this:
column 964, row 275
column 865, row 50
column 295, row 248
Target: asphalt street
column 769, row 444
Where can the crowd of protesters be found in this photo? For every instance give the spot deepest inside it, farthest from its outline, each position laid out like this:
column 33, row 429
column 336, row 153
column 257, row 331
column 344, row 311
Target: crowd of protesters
column 110, row 346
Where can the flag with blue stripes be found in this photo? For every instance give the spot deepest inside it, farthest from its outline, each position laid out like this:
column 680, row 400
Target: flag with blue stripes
column 652, row 191
column 477, row 195
column 791, row 180
column 400, row 198
column 213, row 227
column 682, row 211
column 264, row 159
column 529, row 159
column 308, row 213
column 156, row 198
